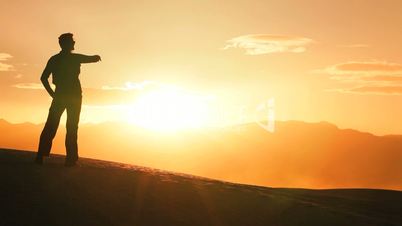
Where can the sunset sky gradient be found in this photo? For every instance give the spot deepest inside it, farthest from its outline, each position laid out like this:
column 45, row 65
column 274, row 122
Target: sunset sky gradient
column 336, row 61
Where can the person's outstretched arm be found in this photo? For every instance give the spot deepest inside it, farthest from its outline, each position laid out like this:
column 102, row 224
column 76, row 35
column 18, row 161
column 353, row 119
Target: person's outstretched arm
column 88, row 59
column 45, row 76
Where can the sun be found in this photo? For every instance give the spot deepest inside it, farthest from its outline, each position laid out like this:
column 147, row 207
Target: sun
column 169, row 108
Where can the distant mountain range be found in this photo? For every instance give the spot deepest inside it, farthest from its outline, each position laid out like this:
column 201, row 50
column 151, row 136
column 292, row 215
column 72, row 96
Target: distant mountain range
column 297, row 154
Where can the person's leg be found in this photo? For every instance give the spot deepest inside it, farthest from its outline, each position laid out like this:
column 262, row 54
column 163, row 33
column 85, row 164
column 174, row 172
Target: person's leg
column 73, row 118
column 49, row 131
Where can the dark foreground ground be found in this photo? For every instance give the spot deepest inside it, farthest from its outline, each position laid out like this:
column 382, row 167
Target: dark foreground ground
column 107, row 193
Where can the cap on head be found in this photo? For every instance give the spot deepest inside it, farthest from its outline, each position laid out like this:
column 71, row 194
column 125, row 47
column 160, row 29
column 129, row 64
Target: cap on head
column 66, row 41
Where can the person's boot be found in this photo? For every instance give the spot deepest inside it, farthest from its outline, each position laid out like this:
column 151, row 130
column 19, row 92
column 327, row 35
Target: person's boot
column 39, row 159
column 70, row 162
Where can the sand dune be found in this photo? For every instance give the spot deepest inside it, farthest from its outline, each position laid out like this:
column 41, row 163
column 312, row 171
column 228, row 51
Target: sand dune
column 108, row 193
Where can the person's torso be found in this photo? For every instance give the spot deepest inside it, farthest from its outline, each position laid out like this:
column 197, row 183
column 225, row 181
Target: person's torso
column 65, row 74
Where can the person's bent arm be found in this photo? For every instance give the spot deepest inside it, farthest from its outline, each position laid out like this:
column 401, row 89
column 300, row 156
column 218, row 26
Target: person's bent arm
column 88, row 59
column 44, row 79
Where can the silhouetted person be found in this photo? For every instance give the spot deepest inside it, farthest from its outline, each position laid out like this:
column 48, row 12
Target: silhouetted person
column 65, row 69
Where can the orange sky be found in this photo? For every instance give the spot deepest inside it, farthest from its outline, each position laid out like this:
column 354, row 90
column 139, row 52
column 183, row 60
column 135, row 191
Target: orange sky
column 339, row 62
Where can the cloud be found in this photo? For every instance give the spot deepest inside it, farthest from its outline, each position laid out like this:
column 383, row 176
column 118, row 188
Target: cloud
column 258, row 44
column 28, row 86
column 5, row 56
column 107, row 95
column 382, row 90
column 354, row 46
column 4, row 66
column 115, row 95
column 371, row 77
column 111, row 106
column 94, row 96
column 382, row 78
column 129, row 86
column 364, row 68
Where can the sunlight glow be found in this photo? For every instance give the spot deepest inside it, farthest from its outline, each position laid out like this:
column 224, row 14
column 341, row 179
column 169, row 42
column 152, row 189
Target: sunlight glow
column 169, row 108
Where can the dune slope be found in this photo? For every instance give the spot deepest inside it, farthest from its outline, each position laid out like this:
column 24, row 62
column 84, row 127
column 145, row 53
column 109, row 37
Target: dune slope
column 107, row 193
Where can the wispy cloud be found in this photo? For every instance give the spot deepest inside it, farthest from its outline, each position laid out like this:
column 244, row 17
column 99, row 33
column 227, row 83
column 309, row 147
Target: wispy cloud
column 382, row 78
column 110, row 106
column 5, row 56
column 258, row 44
column 4, row 66
column 371, row 77
column 107, row 95
column 366, row 89
column 129, row 86
column 28, row 86
column 364, row 68
column 93, row 96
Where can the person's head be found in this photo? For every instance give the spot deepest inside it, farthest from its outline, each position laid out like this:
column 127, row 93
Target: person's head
column 66, row 42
